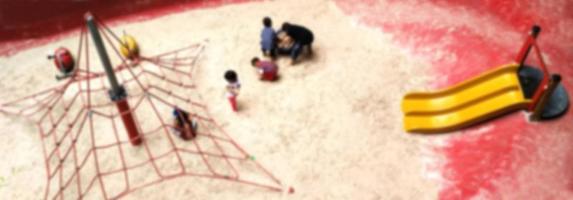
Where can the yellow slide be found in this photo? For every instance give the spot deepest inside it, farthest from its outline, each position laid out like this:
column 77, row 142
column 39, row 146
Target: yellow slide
column 489, row 95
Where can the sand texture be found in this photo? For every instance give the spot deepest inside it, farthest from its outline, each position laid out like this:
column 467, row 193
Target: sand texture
column 330, row 127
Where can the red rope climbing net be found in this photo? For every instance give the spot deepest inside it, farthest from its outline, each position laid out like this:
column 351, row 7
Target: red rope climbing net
column 86, row 149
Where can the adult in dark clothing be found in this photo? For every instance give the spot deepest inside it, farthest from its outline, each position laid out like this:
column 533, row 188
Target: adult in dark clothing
column 302, row 37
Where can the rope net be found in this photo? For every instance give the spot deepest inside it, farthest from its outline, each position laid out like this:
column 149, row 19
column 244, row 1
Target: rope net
column 86, row 148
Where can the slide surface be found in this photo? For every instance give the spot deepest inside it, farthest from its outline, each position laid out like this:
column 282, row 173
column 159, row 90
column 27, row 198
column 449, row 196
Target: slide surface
column 488, row 95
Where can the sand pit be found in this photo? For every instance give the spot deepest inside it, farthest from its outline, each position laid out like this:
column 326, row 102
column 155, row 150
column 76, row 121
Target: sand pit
column 330, row 128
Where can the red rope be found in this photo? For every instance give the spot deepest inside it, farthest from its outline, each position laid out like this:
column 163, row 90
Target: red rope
column 66, row 113
column 544, row 82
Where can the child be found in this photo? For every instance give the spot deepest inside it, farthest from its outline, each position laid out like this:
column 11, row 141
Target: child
column 233, row 87
column 268, row 37
column 185, row 127
column 267, row 69
column 285, row 43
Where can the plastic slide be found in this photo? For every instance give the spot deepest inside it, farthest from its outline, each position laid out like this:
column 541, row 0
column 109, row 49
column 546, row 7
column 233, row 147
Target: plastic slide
column 489, row 95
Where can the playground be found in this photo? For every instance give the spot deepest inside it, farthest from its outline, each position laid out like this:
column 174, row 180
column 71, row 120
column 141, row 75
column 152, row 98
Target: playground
column 367, row 116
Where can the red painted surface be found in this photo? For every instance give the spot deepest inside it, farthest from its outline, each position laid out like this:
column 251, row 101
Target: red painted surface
column 28, row 23
column 509, row 157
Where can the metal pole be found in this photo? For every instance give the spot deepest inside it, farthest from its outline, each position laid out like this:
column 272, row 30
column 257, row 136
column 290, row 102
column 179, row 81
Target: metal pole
column 117, row 92
column 538, row 110
column 102, row 53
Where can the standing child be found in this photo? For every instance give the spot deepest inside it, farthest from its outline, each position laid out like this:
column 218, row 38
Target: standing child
column 268, row 37
column 267, row 69
column 233, row 87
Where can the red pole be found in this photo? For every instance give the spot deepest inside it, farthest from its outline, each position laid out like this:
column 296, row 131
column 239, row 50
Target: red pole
column 526, row 47
column 128, row 122
column 543, row 86
column 522, row 56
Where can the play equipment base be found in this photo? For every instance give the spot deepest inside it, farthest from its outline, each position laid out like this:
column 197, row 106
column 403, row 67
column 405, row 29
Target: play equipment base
column 558, row 103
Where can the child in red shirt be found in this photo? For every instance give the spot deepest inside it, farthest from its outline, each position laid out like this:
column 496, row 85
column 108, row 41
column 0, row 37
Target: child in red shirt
column 267, row 69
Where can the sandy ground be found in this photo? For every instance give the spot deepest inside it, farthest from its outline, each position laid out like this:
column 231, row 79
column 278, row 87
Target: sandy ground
column 331, row 127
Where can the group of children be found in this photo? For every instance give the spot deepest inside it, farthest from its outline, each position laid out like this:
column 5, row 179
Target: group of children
column 185, row 125
column 290, row 40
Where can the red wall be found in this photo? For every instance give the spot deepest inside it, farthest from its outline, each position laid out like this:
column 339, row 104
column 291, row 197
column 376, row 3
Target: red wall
column 26, row 23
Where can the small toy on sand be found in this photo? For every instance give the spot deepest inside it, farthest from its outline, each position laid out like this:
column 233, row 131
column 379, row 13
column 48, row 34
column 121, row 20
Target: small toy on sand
column 129, row 48
column 267, row 70
column 185, row 127
column 64, row 61
column 233, row 87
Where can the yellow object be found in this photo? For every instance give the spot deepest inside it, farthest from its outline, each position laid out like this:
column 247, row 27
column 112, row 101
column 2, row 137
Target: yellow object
column 489, row 95
column 128, row 47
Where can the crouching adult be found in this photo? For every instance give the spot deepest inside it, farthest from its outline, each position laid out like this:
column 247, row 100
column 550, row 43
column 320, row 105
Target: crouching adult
column 302, row 38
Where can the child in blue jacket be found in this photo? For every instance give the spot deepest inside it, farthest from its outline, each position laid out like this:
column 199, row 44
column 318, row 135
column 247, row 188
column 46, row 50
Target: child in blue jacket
column 268, row 38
